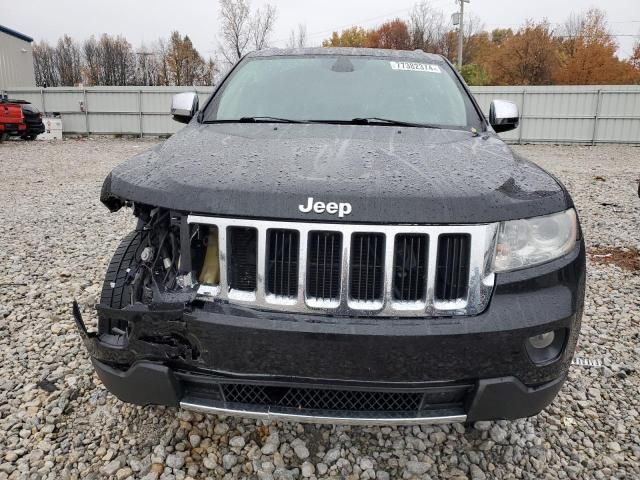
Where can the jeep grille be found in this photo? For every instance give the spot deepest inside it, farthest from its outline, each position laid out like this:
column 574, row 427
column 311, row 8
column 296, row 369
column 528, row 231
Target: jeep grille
column 353, row 270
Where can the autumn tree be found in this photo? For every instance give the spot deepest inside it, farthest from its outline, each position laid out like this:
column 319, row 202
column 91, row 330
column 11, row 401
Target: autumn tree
column 528, row 57
column 477, row 48
column 477, row 51
column 588, row 53
column 351, row 37
column 499, row 35
column 392, row 35
column 185, row 66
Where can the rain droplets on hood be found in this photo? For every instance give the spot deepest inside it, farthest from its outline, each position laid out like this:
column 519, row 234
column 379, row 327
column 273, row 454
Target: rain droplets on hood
column 389, row 174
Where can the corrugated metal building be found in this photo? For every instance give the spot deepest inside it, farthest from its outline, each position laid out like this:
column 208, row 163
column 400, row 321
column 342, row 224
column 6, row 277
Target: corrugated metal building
column 16, row 59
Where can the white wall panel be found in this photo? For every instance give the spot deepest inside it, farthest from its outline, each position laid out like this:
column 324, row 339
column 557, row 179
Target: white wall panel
column 562, row 114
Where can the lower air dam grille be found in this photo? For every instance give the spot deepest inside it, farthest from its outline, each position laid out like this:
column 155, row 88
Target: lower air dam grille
column 337, row 400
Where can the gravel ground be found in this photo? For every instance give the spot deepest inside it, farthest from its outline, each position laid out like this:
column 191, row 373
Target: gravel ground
column 57, row 420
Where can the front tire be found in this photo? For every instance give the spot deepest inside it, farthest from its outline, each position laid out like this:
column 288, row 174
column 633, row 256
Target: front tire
column 116, row 291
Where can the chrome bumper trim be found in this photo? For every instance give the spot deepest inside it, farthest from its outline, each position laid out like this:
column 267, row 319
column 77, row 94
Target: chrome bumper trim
column 320, row 417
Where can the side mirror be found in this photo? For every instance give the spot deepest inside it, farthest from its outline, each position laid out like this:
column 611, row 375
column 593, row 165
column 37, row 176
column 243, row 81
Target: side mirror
column 184, row 106
column 503, row 116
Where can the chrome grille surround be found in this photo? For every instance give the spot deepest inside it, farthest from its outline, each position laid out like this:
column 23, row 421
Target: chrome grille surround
column 481, row 278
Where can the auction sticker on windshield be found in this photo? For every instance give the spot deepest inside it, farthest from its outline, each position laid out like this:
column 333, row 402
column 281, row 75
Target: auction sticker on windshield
column 415, row 67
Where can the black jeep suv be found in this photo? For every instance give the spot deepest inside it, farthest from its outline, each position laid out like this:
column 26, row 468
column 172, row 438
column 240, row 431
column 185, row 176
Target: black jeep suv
column 339, row 235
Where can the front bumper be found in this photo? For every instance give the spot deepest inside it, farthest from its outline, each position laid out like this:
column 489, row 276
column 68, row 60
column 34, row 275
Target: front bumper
column 459, row 368
column 151, row 383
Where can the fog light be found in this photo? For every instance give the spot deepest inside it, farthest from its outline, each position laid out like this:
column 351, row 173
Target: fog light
column 546, row 347
column 543, row 340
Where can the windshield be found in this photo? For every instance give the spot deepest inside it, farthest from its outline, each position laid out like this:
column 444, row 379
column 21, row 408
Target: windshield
column 343, row 88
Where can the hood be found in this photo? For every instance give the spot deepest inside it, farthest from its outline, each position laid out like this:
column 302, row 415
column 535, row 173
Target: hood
column 386, row 174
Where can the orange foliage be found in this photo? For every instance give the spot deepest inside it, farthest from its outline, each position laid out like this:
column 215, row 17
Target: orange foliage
column 528, row 57
column 589, row 57
column 583, row 52
column 394, row 35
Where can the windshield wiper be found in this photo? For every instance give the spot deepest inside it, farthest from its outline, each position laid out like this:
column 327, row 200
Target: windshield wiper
column 255, row 120
column 387, row 121
column 267, row 120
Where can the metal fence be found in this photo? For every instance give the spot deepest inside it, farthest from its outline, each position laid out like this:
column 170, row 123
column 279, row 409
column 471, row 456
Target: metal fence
column 587, row 115
column 593, row 114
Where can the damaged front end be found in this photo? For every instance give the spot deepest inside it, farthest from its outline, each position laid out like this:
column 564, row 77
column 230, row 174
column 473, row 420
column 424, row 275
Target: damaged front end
column 150, row 286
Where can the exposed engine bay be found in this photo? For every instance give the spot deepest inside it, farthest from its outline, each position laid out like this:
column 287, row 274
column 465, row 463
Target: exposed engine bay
column 172, row 258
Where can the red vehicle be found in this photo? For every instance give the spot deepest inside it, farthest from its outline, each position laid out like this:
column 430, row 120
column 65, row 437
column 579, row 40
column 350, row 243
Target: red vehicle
column 11, row 120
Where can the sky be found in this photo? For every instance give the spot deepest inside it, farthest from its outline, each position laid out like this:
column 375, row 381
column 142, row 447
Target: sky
column 146, row 20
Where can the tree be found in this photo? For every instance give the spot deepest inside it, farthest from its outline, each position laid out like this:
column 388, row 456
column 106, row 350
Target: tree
column 262, row 25
column 475, row 75
column 92, row 61
column 44, row 65
column 149, row 65
column 109, row 61
column 68, row 62
column 477, row 48
column 298, row 39
column 185, row 66
column 499, row 35
column 427, row 27
column 235, row 36
column 240, row 29
column 352, row 37
column 528, row 57
column 475, row 41
column 589, row 53
column 635, row 56
column 571, row 31
column 392, row 35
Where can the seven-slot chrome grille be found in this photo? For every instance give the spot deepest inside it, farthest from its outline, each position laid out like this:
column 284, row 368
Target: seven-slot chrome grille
column 353, row 270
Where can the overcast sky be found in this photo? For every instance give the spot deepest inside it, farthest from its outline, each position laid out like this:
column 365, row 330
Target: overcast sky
column 147, row 20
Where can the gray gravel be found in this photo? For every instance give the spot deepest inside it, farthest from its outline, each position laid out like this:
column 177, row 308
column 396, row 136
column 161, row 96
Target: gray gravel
column 57, row 420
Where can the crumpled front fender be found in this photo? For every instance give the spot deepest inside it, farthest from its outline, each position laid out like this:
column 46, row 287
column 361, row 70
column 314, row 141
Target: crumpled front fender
column 152, row 334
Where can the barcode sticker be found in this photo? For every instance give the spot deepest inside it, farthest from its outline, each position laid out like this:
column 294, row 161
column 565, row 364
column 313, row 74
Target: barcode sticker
column 415, row 67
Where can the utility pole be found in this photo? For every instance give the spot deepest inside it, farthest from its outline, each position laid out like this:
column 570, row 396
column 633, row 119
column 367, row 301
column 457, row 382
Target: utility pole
column 461, row 32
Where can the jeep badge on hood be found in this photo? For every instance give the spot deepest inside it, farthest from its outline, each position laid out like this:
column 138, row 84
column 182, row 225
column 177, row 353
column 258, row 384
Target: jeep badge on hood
column 342, row 209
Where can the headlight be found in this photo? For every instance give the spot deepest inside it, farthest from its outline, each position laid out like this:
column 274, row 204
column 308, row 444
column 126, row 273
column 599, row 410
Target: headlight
column 528, row 242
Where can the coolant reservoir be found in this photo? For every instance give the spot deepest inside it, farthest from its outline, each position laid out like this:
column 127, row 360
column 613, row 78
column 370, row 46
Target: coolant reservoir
column 210, row 273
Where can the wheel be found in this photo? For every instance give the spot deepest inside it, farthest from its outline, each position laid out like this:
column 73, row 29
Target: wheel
column 116, row 292
column 29, row 137
column 3, row 137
